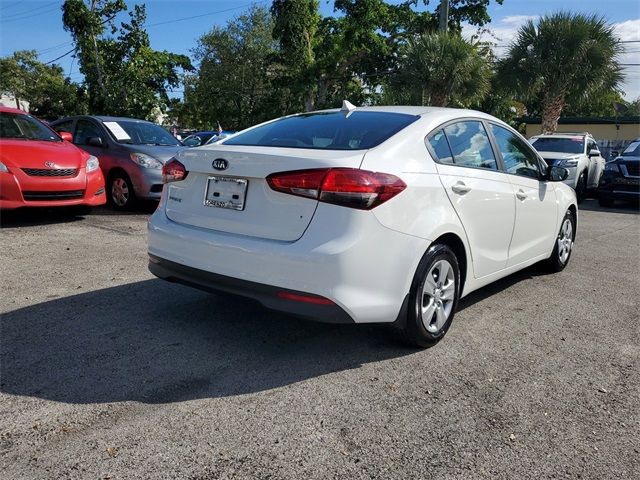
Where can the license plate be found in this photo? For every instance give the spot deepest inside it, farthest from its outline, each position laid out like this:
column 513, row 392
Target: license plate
column 226, row 192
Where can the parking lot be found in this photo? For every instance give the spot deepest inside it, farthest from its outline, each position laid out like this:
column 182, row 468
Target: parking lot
column 108, row 372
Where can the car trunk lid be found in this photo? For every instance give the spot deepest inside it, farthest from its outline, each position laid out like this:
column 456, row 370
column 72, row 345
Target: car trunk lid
column 259, row 211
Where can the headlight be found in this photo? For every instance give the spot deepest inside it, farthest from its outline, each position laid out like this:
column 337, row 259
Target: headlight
column 145, row 161
column 3, row 168
column 92, row 164
column 569, row 162
column 611, row 167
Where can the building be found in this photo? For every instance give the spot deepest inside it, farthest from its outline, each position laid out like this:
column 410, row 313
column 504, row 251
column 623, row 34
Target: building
column 613, row 134
column 7, row 100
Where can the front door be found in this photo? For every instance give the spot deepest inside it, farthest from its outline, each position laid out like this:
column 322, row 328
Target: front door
column 536, row 209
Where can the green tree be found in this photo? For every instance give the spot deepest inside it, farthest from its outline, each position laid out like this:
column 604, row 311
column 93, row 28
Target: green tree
column 236, row 83
column 123, row 74
column 441, row 69
column 568, row 58
column 49, row 93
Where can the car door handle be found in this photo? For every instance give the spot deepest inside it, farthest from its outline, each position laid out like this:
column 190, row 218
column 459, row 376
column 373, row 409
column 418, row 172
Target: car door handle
column 521, row 195
column 460, row 188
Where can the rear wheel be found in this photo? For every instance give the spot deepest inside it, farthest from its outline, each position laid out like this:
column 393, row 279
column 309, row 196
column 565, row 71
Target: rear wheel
column 581, row 187
column 121, row 195
column 564, row 243
column 433, row 298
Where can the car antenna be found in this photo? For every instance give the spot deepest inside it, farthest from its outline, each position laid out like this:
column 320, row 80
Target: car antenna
column 347, row 108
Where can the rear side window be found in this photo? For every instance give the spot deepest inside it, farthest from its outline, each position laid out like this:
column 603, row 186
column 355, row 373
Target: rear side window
column 327, row 131
column 440, row 145
column 470, row 145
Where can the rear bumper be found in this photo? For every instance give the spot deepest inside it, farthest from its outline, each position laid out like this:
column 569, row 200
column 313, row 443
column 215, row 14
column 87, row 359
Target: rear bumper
column 85, row 189
column 269, row 296
column 345, row 256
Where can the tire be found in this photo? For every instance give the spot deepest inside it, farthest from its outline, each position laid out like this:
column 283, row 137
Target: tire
column 120, row 193
column 581, row 187
column 605, row 202
column 563, row 247
column 432, row 300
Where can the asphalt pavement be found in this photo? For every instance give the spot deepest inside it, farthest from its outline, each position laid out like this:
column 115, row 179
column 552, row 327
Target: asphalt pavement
column 109, row 373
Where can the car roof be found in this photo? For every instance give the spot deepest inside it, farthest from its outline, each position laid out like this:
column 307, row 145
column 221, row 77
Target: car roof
column 102, row 118
column 12, row 110
column 406, row 109
column 562, row 135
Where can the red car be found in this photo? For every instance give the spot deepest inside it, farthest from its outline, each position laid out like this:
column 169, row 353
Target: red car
column 40, row 168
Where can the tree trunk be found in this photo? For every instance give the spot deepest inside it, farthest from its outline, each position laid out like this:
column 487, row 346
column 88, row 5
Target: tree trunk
column 439, row 99
column 551, row 109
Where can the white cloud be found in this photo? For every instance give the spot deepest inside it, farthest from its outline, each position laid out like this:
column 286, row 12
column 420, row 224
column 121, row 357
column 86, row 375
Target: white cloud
column 629, row 31
column 518, row 19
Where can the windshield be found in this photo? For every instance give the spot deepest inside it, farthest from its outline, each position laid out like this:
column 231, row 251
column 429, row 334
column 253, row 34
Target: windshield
column 134, row 132
column 23, row 126
column 326, row 131
column 633, row 150
column 565, row 145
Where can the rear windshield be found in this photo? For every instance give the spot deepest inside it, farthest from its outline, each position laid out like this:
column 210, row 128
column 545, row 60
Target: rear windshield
column 326, row 131
column 565, row 145
column 26, row 127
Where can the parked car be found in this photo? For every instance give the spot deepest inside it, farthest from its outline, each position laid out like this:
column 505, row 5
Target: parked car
column 621, row 179
column 374, row 214
column 578, row 153
column 218, row 137
column 131, row 154
column 39, row 168
column 198, row 138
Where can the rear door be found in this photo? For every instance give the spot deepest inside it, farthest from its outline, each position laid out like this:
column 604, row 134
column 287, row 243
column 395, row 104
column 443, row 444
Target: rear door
column 481, row 194
column 234, row 197
column 536, row 209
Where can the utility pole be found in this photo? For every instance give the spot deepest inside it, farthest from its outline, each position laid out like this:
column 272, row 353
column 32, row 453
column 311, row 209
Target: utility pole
column 95, row 52
column 444, row 15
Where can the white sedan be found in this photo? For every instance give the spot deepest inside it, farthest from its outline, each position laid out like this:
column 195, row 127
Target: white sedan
column 372, row 214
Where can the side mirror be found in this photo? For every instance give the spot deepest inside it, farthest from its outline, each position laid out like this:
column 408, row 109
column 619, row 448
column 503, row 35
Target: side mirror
column 594, row 153
column 66, row 136
column 557, row 174
column 95, row 142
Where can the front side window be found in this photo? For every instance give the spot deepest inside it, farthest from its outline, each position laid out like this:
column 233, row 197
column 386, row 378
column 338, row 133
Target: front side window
column 360, row 130
column 25, row 127
column 85, row 129
column 518, row 158
column 470, row 145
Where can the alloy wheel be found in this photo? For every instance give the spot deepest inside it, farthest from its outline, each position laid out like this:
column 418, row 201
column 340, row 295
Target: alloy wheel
column 438, row 294
column 120, row 192
column 565, row 240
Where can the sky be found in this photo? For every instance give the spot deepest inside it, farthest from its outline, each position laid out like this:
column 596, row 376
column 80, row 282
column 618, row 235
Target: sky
column 37, row 25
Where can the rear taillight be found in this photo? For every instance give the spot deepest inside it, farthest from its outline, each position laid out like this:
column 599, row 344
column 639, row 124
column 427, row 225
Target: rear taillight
column 349, row 187
column 173, row 171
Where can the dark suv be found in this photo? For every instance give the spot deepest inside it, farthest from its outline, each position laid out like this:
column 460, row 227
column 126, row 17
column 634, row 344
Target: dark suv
column 131, row 154
column 621, row 178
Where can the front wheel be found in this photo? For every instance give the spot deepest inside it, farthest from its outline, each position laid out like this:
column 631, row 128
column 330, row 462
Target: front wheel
column 581, row 187
column 121, row 195
column 433, row 298
column 564, row 243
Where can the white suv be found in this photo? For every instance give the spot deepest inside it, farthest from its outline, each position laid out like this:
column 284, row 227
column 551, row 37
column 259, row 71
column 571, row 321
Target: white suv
column 578, row 153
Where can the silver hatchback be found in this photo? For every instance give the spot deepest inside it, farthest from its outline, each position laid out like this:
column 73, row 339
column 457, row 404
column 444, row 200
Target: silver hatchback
column 131, row 154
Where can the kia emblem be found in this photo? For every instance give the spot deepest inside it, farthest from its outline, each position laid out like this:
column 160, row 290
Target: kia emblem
column 49, row 164
column 220, row 164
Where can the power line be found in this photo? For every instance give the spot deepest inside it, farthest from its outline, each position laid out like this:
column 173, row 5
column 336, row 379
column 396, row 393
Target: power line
column 40, row 12
column 203, row 14
column 15, row 4
column 61, row 56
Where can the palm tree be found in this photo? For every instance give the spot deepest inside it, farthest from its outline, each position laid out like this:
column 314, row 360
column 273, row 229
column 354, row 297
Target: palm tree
column 440, row 69
column 568, row 57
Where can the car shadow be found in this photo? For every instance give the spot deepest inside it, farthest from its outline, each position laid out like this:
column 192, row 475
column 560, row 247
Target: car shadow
column 617, row 207
column 157, row 342
column 32, row 217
